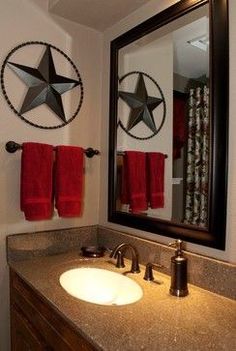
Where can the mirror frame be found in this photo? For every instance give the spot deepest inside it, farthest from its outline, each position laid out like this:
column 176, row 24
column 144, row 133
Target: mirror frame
column 214, row 235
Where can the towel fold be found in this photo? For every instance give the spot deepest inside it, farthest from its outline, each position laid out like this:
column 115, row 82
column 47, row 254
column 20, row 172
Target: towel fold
column 134, row 181
column 155, row 176
column 69, row 175
column 36, row 181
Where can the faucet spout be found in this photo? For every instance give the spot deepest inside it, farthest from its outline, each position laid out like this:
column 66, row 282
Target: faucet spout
column 135, row 256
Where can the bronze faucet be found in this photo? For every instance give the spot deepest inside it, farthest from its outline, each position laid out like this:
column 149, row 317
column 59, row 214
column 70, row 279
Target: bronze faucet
column 135, row 257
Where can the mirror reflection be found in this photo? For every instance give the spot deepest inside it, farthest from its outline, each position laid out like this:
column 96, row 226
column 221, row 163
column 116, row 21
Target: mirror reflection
column 163, row 130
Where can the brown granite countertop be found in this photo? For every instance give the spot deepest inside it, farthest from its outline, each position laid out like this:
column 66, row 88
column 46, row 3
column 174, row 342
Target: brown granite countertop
column 157, row 322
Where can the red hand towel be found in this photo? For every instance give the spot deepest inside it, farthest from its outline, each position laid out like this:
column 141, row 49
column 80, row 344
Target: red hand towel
column 36, row 181
column 156, row 174
column 69, row 180
column 135, row 169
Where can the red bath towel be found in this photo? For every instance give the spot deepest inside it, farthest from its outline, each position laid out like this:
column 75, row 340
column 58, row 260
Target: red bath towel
column 134, row 182
column 69, row 175
column 156, row 176
column 36, row 181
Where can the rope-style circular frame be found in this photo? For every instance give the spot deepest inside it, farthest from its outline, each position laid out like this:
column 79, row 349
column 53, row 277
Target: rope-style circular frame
column 164, row 107
column 8, row 100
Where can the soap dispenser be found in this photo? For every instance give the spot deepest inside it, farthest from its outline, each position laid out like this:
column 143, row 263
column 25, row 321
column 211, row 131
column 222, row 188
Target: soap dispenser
column 179, row 286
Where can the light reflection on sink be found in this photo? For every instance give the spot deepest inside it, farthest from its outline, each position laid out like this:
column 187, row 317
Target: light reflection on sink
column 100, row 286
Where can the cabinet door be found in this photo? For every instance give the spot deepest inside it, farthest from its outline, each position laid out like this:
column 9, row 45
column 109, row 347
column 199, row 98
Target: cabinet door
column 36, row 326
column 23, row 336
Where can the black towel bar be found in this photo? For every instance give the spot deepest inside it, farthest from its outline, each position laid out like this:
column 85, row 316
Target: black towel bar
column 12, row 146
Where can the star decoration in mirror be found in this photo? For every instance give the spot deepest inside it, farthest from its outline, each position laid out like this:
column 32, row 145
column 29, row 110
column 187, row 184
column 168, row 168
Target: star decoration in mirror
column 142, row 106
column 44, row 85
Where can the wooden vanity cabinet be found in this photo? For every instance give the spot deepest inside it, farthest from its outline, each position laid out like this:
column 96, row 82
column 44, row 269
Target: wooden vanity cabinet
column 36, row 325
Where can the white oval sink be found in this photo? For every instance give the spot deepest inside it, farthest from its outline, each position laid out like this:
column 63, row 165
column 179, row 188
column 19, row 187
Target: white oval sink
column 100, row 286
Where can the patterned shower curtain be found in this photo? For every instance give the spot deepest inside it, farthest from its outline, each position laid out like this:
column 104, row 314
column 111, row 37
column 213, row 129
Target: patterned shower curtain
column 196, row 202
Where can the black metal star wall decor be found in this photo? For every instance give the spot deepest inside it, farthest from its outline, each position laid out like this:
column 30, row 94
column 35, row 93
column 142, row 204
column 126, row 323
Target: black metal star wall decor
column 142, row 106
column 45, row 86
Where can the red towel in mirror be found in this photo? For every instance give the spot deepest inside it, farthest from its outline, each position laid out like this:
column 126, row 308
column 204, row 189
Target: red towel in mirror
column 36, row 181
column 69, row 179
column 134, row 181
column 156, row 176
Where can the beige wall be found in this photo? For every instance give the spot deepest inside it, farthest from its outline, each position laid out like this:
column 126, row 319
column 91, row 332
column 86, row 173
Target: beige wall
column 143, row 13
column 21, row 21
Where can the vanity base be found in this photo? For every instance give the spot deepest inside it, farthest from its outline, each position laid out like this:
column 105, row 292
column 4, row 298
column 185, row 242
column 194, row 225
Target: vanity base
column 37, row 326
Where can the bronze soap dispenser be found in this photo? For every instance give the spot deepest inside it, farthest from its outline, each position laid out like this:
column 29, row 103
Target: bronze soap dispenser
column 179, row 285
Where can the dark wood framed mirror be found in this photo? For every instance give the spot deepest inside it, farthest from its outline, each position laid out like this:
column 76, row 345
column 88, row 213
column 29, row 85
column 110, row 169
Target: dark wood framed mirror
column 140, row 72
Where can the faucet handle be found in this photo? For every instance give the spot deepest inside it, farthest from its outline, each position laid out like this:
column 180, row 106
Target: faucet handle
column 120, row 259
column 149, row 270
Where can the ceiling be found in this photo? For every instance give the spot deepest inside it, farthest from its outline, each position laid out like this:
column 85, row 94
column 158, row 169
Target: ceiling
column 190, row 61
column 97, row 14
